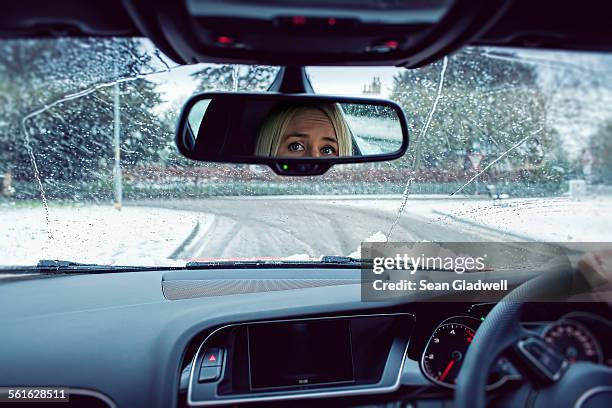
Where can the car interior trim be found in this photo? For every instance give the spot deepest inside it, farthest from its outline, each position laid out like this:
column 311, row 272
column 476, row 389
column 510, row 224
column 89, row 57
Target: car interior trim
column 315, row 394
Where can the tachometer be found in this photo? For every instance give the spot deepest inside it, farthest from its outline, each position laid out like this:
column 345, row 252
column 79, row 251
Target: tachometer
column 574, row 340
column 444, row 352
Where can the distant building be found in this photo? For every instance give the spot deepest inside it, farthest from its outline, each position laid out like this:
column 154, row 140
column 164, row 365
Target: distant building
column 373, row 88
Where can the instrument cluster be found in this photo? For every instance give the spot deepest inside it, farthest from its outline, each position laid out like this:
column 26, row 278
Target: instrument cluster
column 578, row 336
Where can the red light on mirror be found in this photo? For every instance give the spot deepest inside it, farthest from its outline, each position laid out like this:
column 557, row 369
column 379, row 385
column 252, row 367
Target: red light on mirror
column 392, row 44
column 222, row 39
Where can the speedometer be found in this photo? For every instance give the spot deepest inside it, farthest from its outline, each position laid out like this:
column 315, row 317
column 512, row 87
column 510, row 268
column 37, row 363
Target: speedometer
column 574, row 340
column 445, row 351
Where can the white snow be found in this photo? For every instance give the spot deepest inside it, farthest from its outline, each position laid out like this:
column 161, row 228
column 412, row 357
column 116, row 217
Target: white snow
column 556, row 219
column 378, row 236
column 132, row 236
column 149, row 236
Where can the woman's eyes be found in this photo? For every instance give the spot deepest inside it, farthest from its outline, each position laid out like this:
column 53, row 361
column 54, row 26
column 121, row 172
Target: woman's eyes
column 328, row 150
column 296, row 147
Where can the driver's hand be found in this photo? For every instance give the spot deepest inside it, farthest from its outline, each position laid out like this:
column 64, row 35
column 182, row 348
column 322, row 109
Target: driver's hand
column 596, row 268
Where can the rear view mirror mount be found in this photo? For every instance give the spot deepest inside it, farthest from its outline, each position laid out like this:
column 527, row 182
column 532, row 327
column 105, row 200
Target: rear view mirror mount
column 294, row 134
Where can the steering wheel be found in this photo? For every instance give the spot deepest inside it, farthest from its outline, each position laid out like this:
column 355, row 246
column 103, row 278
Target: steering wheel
column 551, row 380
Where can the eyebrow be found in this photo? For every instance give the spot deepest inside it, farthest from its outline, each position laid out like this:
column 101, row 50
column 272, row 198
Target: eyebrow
column 305, row 135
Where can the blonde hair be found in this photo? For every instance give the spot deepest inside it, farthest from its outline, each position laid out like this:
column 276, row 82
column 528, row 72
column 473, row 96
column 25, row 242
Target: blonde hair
column 274, row 126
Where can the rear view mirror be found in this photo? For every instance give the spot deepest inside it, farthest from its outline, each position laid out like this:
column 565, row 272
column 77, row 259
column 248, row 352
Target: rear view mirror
column 295, row 134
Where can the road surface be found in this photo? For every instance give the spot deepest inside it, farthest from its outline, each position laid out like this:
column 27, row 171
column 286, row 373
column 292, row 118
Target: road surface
column 280, row 227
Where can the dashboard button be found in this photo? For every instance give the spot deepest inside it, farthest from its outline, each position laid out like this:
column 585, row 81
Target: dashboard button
column 213, row 357
column 209, row 374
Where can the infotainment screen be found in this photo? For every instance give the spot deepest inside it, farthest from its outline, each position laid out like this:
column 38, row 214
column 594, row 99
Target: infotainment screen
column 289, row 354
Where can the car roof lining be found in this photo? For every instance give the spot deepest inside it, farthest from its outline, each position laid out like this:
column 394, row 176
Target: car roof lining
column 541, row 24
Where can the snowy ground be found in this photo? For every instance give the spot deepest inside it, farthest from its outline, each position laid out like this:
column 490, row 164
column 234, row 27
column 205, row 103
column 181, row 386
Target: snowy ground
column 266, row 227
column 558, row 219
column 96, row 234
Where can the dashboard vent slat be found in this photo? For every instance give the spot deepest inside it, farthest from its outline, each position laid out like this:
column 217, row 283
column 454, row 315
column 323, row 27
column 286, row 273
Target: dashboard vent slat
column 191, row 289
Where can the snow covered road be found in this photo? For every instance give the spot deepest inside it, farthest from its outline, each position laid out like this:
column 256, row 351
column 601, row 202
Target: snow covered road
column 96, row 234
column 156, row 231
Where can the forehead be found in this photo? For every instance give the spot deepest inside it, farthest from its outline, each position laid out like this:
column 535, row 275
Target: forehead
column 310, row 118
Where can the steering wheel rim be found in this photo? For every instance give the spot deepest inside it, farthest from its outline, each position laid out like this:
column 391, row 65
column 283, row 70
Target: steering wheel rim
column 502, row 329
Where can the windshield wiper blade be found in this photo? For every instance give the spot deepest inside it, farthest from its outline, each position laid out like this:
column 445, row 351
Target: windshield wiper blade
column 334, row 259
column 56, row 266
column 324, row 261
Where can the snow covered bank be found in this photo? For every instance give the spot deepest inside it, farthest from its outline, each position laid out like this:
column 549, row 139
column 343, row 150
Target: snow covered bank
column 95, row 234
column 558, row 219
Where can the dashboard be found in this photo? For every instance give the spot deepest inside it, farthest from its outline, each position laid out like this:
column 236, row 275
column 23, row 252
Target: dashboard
column 147, row 338
column 412, row 367
column 300, row 358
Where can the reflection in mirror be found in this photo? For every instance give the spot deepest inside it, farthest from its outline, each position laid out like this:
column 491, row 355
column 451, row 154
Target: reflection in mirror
column 295, row 130
column 304, row 130
column 375, row 129
column 224, row 127
column 196, row 114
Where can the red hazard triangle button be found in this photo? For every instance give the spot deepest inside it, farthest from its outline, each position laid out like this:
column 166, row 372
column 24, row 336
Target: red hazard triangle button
column 213, row 357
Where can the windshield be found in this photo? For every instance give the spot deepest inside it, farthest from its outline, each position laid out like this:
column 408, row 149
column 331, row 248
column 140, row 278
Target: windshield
column 505, row 145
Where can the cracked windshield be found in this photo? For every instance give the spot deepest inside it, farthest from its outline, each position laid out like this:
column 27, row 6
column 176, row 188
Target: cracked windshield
column 505, row 145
